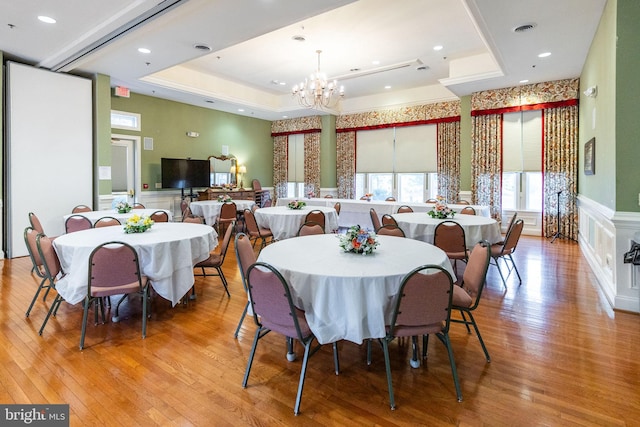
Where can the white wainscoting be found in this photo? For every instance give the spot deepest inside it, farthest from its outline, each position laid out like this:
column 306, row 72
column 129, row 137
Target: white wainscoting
column 604, row 236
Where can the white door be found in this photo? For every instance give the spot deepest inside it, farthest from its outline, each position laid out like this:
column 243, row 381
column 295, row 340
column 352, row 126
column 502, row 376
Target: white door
column 125, row 166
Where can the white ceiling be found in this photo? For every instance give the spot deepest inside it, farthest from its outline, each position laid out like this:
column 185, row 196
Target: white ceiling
column 252, row 47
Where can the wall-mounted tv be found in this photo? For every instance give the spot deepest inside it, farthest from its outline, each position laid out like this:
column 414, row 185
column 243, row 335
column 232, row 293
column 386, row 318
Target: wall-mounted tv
column 185, row 173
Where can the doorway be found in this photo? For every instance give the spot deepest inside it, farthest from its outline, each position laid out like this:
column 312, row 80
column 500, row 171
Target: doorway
column 125, row 167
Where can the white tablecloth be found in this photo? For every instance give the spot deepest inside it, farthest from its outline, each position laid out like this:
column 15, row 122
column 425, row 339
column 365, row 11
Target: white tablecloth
column 346, row 295
column 210, row 209
column 354, row 212
column 167, row 253
column 420, row 226
column 284, row 222
column 96, row 215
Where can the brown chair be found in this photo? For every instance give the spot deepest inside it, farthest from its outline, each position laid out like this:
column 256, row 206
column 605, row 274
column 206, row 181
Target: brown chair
column 405, row 209
column 254, row 231
column 390, row 230
column 80, row 209
column 267, row 203
column 52, row 272
column 388, row 219
column 30, row 235
column 468, row 210
column 505, row 251
column 106, row 221
column 245, row 257
column 138, row 206
column 77, row 222
column 375, row 221
column 316, row 215
column 466, row 296
column 216, row 260
column 35, row 223
column 390, row 199
column 114, row 270
column 310, row 228
column 228, row 215
column 450, row 237
column 461, row 202
column 337, row 207
column 432, row 201
column 159, row 216
column 193, row 220
column 329, row 196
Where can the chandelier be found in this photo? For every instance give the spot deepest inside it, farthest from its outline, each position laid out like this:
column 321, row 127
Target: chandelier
column 316, row 91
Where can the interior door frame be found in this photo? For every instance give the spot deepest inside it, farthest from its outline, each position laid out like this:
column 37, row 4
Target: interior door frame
column 135, row 141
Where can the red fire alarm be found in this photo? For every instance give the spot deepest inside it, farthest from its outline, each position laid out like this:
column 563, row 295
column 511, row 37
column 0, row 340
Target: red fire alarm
column 145, row 186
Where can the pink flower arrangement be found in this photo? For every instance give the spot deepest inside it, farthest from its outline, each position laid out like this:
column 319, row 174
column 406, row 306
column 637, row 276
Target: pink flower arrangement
column 441, row 210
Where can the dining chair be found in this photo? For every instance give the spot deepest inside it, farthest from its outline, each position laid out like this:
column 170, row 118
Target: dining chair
column 337, row 206
column 159, row 216
column 388, row 219
column 254, row 231
column 309, row 228
column 80, row 209
column 461, row 202
column 52, row 271
column 267, row 203
column 431, row 201
column 106, row 221
column 450, row 237
column 138, row 206
column 423, row 307
column 245, row 257
column 390, row 199
column 35, row 223
column 468, row 210
column 316, row 215
column 193, row 220
column 273, row 310
column 329, row 196
column 390, row 230
column 504, row 251
column 77, row 222
column 114, row 270
column 375, row 220
column 228, row 214
column 216, row 260
column 405, row 209
column 30, row 235
column 466, row 296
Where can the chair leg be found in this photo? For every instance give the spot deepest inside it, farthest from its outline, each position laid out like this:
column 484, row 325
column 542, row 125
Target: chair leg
column 425, row 344
column 475, row 326
column 145, row 297
column 116, row 318
column 35, row 297
column 291, row 356
column 244, row 314
column 336, row 358
column 516, row 269
column 504, row 282
column 224, row 280
column 260, row 332
column 52, row 310
column 387, row 363
column 465, row 321
column 414, row 362
column 454, row 372
column 87, row 302
column 303, row 372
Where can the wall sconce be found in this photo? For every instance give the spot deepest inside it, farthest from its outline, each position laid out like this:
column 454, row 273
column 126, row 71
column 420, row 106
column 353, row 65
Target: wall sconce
column 192, row 134
column 591, row 91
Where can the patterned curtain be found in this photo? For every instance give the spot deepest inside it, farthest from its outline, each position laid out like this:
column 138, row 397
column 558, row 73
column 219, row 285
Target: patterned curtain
column 560, row 171
column 449, row 160
column 486, row 162
column 312, row 163
column 346, row 164
column 280, row 167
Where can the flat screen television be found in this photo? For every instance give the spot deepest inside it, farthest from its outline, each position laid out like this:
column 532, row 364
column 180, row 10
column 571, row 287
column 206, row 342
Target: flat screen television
column 185, row 173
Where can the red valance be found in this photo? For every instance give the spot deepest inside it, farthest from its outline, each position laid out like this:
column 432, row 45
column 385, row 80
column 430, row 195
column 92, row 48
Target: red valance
column 393, row 125
column 295, row 132
column 542, row 106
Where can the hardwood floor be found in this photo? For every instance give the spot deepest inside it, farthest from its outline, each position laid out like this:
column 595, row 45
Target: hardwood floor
column 560, row 356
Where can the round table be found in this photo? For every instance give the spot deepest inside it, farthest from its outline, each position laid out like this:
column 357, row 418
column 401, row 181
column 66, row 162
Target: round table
column 420, row 226
column 167, row 253
column 346, row 295
column 284, row 222
column 210, row 209
column 94, row 216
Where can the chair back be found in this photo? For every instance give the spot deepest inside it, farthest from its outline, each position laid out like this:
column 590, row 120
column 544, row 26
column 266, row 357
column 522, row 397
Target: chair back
column 337, row 207
column 272, row 304
column 30, row 235
column 375, row 220
column 329, row 196
column 255, row 184
column 315, row 215
column 225, row 241
column 513, row 236
column 405, row 209
column 267, row 203
column 449, row 236
column 106, row 221
column 309, row 228
column 35, row 223
column 390, row 199
column 228, row 211
column 468, row 210
column 245, row 256
column 475, row 273
column 462, row 202
column 424, row 302
column 512, row 221
column 49, row 257
column 388, row 219
column 432, row 201
column 193, row 219
column 251, row 223
column 112, row 264
column 390, row 230
column 159, row 216
column 81, row 208
column 138, row 206
column 77, row 222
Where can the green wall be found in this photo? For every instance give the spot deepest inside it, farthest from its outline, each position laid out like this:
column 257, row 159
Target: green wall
column 465, row 143
column 328, row 154
column 168, row 122
column 102, row 129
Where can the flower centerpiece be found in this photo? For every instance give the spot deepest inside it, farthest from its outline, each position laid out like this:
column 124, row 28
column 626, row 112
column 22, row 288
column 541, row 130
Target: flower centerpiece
column 358, row 240
column 138, row 224
column 123, row 207
column 441, row 210
column 296, row 204
column 224, row 198
column 227, row 186
column 368, row 196
column 310, row 195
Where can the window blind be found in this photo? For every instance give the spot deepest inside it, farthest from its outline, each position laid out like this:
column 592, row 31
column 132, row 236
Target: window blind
column 416, row 149
column 295, row 158
column 522, row 141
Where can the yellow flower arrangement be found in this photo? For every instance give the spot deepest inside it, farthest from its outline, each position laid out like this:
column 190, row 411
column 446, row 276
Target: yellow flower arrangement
column 138, row 224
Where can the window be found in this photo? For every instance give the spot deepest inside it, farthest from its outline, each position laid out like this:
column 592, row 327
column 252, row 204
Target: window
column 295, row 166
column 124, row 120
column 411, row 187
column 522, row 191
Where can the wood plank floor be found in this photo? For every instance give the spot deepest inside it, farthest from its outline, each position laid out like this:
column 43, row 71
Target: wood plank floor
column 560, row 356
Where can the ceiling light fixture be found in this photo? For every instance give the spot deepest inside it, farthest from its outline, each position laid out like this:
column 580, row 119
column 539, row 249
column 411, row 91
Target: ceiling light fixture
column 544, row 54
column 47, row 19
column 144, row 50
column 316, row 91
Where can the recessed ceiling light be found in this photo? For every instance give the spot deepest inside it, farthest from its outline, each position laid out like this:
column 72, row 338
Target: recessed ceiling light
column 544, row 54
column 387, row 87
column 437, row 47
column 298, row 38
column 284, row 117
column 144, row 50
column 375, row 62
column 47, row 19
column 524, row 81
column 209, row 101
column 241, row 109
column 524, row 27
column 201, row 46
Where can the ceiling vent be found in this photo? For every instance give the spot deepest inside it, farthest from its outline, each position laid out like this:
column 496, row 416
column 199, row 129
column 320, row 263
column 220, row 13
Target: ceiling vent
column 523, row 28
